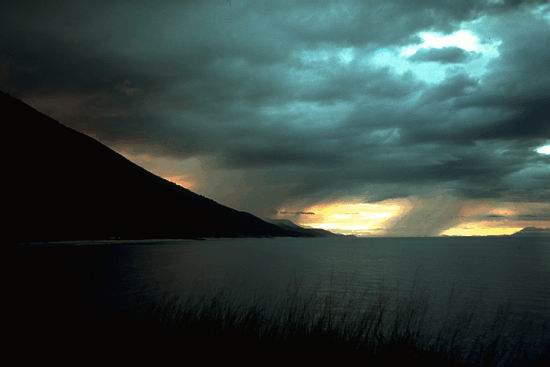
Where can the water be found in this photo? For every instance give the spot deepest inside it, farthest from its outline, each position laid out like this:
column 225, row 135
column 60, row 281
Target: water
column 483, row 273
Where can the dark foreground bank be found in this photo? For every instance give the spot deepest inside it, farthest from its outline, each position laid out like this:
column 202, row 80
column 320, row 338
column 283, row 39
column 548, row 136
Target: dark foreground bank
column 384, row 333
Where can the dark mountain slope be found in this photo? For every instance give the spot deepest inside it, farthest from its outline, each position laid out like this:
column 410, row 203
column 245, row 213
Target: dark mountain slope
column 304, row 231
column 61, row 184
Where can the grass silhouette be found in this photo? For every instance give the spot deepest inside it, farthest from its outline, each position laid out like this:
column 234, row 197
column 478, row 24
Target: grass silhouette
column 386, row 332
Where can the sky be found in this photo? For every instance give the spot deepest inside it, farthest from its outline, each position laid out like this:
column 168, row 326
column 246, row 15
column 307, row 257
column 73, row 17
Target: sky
column 376, row 118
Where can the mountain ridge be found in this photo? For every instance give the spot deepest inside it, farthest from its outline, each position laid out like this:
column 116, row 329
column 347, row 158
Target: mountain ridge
column 65, row 185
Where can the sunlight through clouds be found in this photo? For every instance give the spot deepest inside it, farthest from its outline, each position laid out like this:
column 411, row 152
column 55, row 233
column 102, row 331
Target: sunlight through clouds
column 475, row 55
column 463, row 39
column 490, row 218
column 480, row 229
column 352, row 217
column 544, row 150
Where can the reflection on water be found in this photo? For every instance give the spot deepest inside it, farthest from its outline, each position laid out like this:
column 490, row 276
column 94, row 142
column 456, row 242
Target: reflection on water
column 485, row 273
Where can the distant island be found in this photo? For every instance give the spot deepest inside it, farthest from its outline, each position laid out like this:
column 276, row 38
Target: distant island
column 64, row 185
column 532, row 232
column 304, row 231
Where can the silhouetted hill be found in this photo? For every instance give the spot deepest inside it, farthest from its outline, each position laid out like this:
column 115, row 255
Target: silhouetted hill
column 63, row 185
column 304, row 231
column 532, row 231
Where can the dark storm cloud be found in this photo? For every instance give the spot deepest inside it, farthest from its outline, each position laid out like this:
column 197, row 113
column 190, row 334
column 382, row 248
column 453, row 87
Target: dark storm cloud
column 445, row 55
column 283, row 95
column 521, row 217
column 454, row 86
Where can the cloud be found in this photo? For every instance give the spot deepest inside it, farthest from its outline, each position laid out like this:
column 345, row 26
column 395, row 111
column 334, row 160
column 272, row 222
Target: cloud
column 285, row 212
column 428, row 217
column 286, row 102
column 445, row 55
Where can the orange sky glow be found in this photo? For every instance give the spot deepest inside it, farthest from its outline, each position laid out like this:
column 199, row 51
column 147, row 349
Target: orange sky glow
column 376, row 219
column 354, row 217
column 351, row 217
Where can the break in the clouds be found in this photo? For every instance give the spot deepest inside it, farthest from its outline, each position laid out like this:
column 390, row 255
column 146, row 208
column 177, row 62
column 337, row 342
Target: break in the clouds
column 280, row 106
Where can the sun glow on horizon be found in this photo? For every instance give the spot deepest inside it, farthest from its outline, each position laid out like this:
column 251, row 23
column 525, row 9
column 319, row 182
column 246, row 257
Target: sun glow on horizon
column 357, row 218
column 480, row 229
column 485, row 218
column 476, row 218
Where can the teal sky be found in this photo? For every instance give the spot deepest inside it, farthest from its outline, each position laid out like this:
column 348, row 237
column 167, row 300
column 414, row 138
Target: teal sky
column 398, row 107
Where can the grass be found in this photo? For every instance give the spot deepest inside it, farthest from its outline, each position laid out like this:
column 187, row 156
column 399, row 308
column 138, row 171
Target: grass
column 378, row 330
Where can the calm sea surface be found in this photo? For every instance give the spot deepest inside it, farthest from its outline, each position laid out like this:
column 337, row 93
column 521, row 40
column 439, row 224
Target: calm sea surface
column 484, row 273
